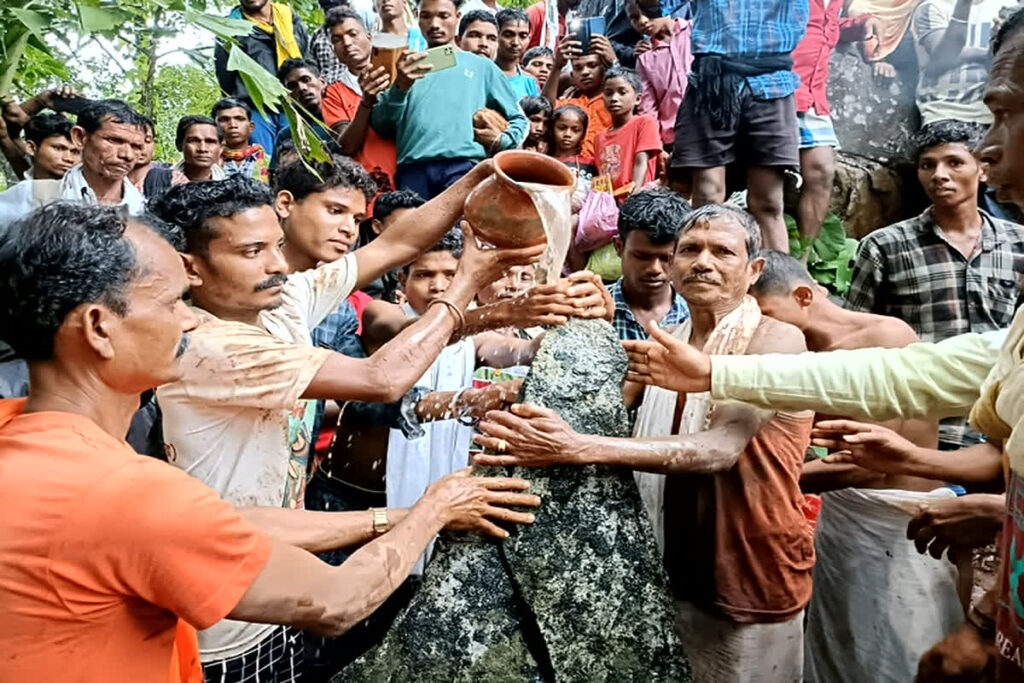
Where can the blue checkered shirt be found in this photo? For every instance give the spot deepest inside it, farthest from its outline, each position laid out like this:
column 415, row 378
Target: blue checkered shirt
column 626, row 324
column 752, row 27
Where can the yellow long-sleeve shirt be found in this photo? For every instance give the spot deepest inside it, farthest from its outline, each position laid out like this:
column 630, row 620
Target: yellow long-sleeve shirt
column 939, row 380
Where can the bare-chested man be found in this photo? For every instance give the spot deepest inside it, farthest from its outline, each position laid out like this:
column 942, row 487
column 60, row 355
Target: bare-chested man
column 865, row 564
column 737, row 547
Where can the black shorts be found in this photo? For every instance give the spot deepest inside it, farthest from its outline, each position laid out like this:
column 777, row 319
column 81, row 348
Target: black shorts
column 766, row 134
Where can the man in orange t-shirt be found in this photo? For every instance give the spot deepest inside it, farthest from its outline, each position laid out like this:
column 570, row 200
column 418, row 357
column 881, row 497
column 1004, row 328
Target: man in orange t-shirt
column 347, row 111
column 88, row 524
column 103, row 551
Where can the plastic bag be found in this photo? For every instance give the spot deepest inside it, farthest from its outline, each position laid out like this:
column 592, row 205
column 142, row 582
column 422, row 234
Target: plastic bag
column 605, row 262
column 598, row 222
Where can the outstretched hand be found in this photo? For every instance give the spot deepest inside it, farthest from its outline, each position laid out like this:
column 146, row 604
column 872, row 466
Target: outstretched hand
column 870, row 446
column 968, row 521
column 667, row 362
column 471, row 503
column 529, row 436
column 580, row 295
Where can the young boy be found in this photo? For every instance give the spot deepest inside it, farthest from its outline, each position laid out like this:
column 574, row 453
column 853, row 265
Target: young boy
column 234, row 119
column 628, row 151
column 513, row 35
column 663, row 67
column 538, row 62
column 478, row 33
column 48, row 142
column 588, row 71
column 538, row 111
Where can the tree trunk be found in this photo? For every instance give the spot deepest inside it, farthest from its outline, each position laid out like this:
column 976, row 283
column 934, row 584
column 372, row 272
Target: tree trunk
column 148, row 102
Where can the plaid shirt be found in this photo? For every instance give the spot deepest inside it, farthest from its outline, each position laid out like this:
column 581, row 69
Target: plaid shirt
column 626, row 324
column 752, row 27
column 909, row 271
column 322, row 53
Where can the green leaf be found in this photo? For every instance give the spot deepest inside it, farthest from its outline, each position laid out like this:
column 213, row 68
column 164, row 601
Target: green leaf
column 263, row 87
column 38, row 24
column 101, row 19
column 306, row 141
column 224, row 28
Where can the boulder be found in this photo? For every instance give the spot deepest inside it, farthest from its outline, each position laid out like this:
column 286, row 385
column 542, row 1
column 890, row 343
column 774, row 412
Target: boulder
column 875, row 119
column 580, row 596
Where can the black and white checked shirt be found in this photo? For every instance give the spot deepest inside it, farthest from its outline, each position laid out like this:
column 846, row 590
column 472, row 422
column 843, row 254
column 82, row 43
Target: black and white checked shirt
column 909, row 271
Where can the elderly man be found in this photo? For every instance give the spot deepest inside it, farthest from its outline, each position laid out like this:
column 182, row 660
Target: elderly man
column 240, row 418
column 200, row 141
column 106, row 555
column 737, row 548
column 940, row 380
column 111, row 135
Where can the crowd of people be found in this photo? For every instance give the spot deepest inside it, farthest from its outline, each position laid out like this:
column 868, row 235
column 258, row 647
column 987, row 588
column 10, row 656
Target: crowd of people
column 241, row 393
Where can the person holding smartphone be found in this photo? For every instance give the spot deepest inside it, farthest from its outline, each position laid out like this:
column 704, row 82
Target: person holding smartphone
column 435, row 139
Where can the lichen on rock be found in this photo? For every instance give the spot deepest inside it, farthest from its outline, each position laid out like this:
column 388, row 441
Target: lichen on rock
column 579, row 596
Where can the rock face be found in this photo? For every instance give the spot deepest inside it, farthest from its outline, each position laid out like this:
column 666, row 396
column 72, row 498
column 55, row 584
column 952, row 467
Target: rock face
column 874, row 119
column 579, row 596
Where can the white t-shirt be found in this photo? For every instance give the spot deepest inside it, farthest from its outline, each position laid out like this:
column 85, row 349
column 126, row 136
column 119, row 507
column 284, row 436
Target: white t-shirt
column 957, row 93
column 23, row 198
column 236, row 421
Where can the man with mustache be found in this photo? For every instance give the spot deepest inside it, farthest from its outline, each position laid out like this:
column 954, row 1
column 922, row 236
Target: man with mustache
column 111, row 136
column 200, row 142
column 977, row 374
column 737, row 547
column 240, row 418
column 953, row 269
column 649, row 223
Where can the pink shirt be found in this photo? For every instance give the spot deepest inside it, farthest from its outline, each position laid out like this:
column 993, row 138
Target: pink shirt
column 663, row 70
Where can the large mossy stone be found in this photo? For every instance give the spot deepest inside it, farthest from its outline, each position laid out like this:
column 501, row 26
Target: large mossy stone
column 579, row 596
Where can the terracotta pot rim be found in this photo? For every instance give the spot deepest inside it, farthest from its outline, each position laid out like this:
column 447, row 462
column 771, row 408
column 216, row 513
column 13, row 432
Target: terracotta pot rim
column 568, row 179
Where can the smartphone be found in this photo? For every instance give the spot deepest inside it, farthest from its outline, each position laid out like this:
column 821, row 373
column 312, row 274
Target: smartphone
column 583, row 29
column 440, row 58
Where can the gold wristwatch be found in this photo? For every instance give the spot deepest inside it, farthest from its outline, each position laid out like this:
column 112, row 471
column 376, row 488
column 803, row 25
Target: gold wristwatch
column 381, row 525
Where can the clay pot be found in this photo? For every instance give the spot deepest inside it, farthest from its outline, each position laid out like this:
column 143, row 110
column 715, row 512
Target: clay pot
column 501, row 211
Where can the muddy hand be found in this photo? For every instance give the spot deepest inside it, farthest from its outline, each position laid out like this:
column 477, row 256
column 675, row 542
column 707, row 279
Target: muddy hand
column 529, row 436
column 475, row 503
column 487, row 265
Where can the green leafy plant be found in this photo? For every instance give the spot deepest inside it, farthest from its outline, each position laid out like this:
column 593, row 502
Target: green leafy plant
column 831, row 255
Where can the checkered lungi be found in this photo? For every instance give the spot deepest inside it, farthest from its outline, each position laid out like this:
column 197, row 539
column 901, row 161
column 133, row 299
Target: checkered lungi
column 277, row 658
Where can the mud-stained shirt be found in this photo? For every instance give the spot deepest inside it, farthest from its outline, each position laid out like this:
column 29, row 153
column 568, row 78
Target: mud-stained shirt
column 236, row 419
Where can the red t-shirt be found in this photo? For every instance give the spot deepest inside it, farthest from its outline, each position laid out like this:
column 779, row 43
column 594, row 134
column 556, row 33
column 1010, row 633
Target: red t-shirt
column 377, row 155
column 536, row 15
column 103, row 550
column 614, row 150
